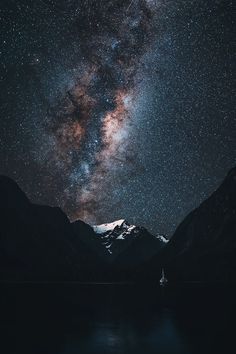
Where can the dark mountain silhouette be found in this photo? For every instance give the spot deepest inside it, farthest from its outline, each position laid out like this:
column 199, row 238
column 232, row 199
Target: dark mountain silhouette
column 132, row 245
column 203, row 247
column 85, row 234
column 120, row 242
column 122, row 246
column 39, row 243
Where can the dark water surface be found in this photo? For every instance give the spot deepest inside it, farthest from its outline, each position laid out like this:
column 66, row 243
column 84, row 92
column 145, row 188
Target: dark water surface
column 117, row 319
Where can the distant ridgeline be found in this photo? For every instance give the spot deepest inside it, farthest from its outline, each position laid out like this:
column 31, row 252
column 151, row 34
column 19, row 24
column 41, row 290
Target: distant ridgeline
column 39, row 243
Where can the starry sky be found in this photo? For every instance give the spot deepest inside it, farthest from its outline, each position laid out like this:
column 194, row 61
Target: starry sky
column 118, row 109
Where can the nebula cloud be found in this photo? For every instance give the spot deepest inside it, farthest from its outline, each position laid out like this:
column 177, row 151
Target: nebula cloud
column 91, row 125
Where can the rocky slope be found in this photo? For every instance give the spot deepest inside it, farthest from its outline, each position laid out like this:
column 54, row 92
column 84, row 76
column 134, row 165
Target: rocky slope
column 128, row 244
column 203, row 247
column 39, row 242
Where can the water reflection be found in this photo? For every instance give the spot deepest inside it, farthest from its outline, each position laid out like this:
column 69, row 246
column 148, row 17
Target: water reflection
column 71, row 319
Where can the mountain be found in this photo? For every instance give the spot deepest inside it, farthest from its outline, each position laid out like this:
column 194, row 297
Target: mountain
column 86, row 234
column 203, row 246
column 120, row 243
column 128, row 245
column 38, row 242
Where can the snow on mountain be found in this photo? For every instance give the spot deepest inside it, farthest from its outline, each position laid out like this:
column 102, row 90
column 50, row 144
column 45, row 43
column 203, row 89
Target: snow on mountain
column 162, row 238
column 100, row 229
column 118, row 235
column 109, row 233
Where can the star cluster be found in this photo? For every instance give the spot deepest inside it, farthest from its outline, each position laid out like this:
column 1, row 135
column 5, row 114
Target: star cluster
column 118, row 109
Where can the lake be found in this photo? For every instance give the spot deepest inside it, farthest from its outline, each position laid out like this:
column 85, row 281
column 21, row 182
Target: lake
column 117, row 319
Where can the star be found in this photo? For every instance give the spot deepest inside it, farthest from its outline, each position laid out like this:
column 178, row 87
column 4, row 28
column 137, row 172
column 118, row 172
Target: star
column 118, row 109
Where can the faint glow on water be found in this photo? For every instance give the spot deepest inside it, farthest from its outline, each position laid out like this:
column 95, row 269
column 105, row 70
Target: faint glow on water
column 116, row 320
column 166, row 335
column 108, row 337
column 126, row 337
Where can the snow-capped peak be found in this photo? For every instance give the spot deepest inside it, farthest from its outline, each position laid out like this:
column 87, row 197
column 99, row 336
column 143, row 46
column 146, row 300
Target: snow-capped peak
column 119, row 235
column 162, row 238
column 100, row 229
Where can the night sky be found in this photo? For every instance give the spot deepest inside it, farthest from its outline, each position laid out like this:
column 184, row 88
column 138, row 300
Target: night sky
column 118, row 109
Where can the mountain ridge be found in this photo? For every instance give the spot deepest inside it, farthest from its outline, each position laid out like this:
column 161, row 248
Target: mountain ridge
column 39, row 242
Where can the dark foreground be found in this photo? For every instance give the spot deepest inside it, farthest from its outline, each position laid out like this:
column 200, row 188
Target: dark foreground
column 121, row 319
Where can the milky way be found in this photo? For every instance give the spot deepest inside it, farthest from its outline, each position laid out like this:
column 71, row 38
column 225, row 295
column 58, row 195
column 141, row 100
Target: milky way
column 118, row 109
column 92, row 123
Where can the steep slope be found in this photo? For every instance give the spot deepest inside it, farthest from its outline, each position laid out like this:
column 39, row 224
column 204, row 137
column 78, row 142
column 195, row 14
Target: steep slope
column 38, row 242
column 86, row 235
column 204, row 245
column 128, row 245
